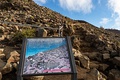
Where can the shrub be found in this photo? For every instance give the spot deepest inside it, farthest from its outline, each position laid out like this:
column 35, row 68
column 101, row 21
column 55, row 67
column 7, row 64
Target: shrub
column 17, row 38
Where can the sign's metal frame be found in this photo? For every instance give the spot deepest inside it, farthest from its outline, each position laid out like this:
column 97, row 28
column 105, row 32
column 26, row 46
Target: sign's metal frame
column 71, row 58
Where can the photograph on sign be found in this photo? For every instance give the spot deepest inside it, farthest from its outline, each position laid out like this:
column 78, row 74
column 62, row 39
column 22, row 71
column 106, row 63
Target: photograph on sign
column 46, row 55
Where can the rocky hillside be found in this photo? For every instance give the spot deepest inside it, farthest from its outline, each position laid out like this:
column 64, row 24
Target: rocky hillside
column 114, row 31
column 96, row 50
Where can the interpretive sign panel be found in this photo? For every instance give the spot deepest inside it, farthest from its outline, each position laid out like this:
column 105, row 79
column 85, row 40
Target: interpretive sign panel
column 46, row 56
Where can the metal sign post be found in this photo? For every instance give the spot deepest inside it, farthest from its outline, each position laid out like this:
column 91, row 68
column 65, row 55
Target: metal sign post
column 60, row 32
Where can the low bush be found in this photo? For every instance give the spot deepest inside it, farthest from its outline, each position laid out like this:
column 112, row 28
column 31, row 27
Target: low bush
column 18, row 36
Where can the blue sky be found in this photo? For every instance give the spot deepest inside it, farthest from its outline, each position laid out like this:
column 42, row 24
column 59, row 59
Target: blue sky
column 105, row 13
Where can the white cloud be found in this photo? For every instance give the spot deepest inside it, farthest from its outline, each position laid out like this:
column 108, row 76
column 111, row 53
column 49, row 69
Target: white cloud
column 77, row 5
column 104, row 21
column 114, row 5
column 41, row 1
column 99, row 1
column 117, row 22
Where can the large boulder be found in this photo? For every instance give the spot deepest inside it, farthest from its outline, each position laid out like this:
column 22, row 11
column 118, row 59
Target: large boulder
column 14, row 57
column 84, row 60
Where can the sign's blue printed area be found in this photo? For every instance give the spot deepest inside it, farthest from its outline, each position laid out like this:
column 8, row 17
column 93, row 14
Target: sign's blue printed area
column 35, row 46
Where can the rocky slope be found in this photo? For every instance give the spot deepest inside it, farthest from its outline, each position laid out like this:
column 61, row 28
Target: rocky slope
column 96, row 50
column 114, row 31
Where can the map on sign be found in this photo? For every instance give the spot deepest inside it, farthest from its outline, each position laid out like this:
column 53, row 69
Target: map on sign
column 46, row 55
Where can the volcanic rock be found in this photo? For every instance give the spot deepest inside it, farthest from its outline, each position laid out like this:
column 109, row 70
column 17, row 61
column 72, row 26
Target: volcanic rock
column 94, row 74
column 106, row 56
column 7, row 68
column 1, row 50
column 2, row 64
column 2, row 56
column 94, row 64
column 114, row 53
column 41, row 33
column 14, row 57
column 15, row 65
column 116, row 61
column 84, row 60
column 92, row 55
column 114, row 74
column 7, row 51
column 103, row 67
